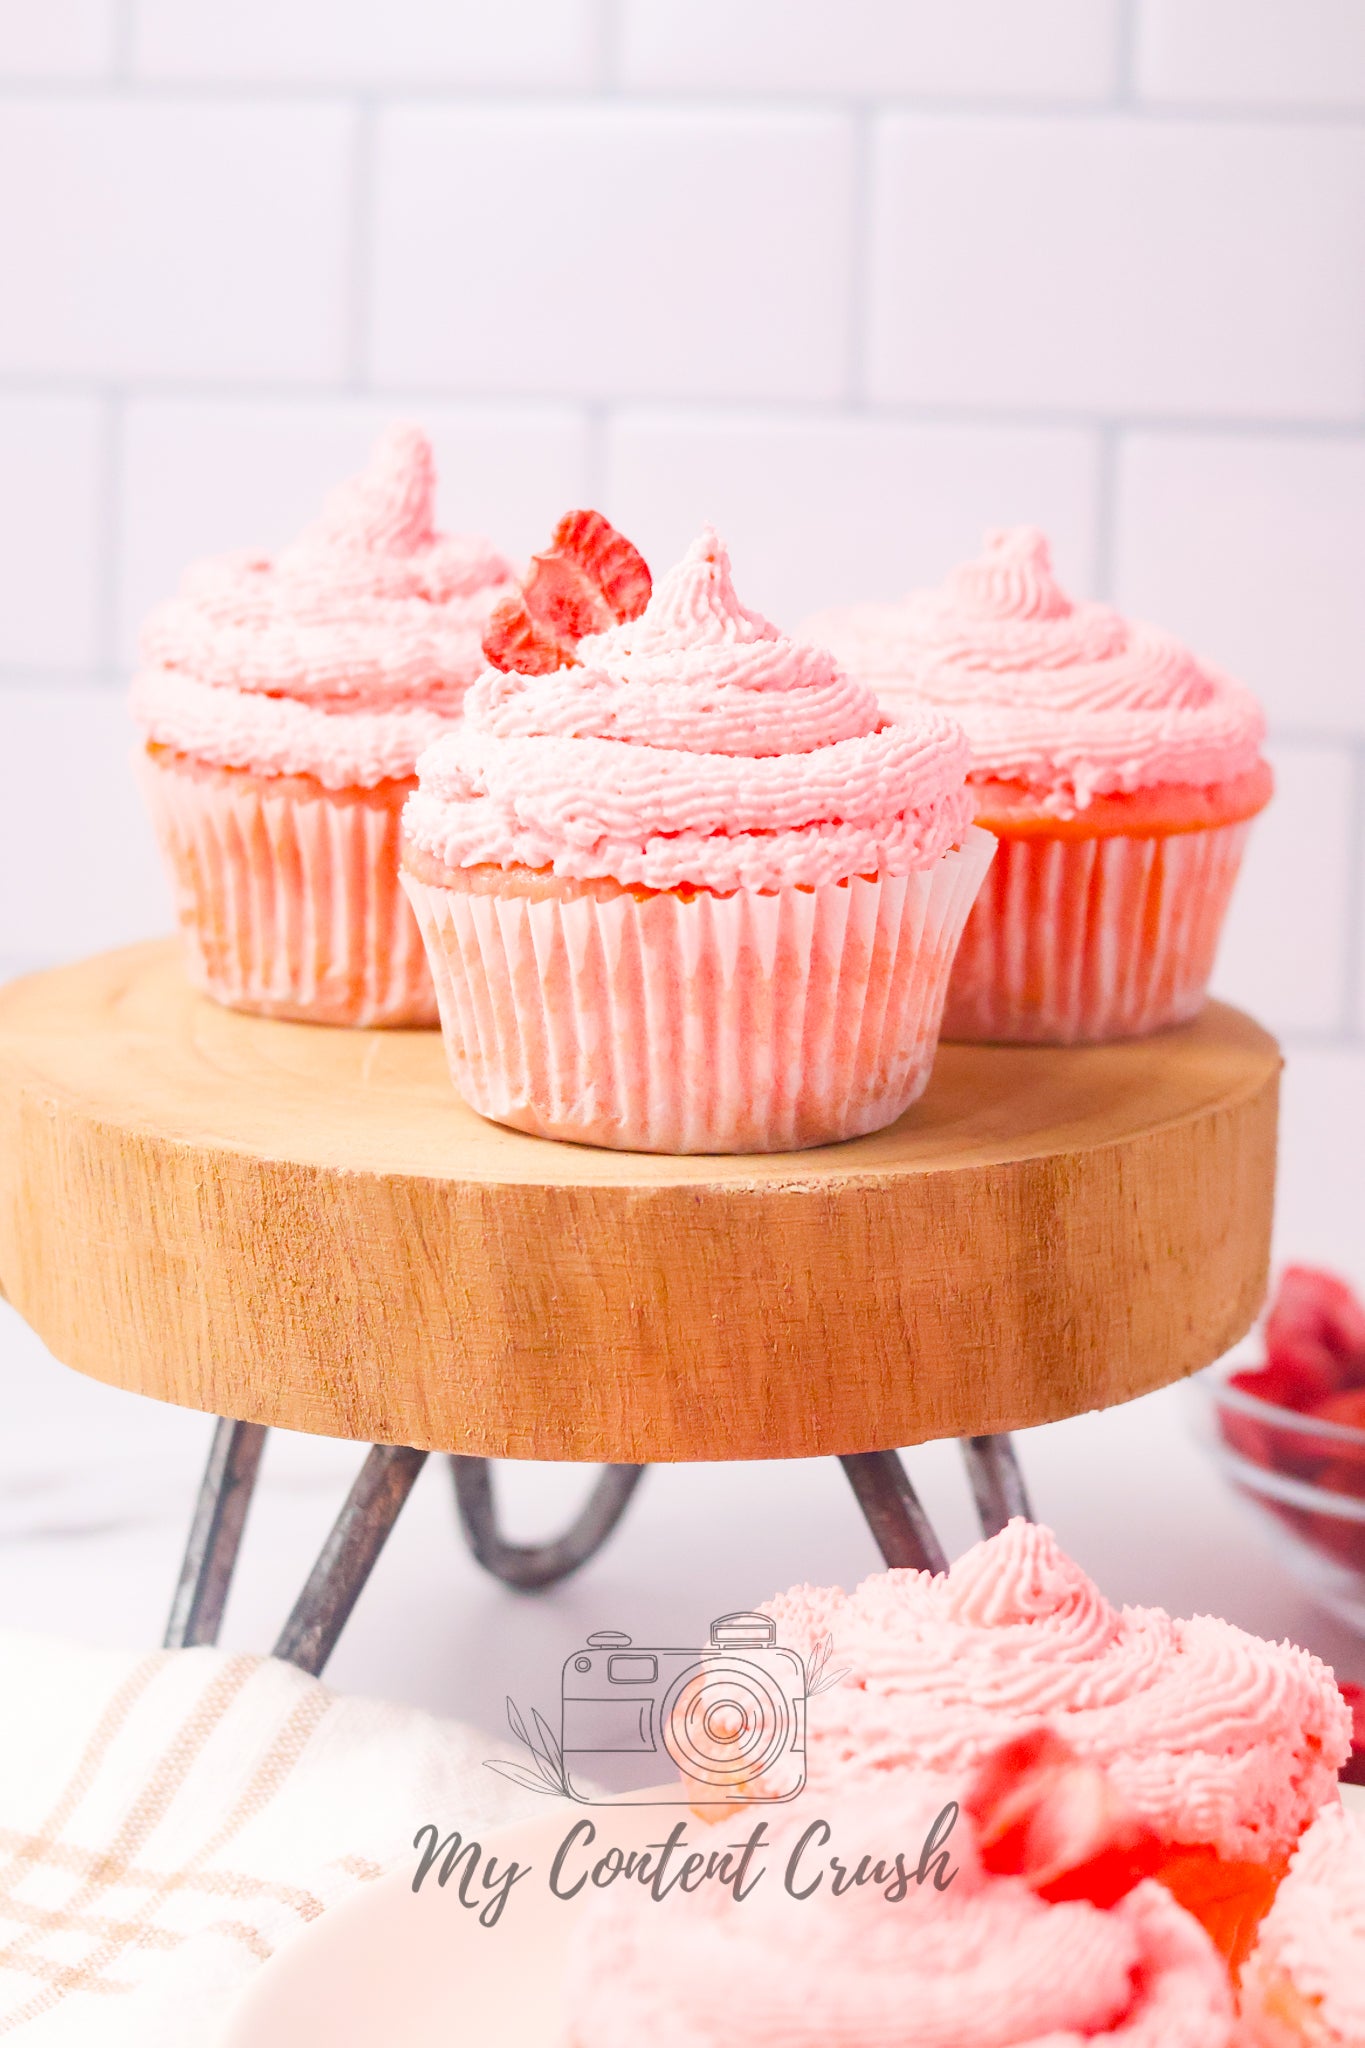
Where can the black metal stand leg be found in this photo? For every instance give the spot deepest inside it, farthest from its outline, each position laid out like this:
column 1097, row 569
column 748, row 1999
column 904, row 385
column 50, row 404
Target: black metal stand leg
column 531, row 1565
column 348, row 1556
column 904, row 1533
column 215, row 1534
column 996, row 1481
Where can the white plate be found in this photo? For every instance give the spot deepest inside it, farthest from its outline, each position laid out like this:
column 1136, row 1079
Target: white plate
column 390, row 1969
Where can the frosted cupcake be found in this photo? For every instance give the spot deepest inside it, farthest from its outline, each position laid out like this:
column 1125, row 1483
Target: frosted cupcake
column 1119, row 775
column 1226, row 1746
column 693, row 893
column 285, row 703
column 1305, row 1985
column 983, row 1962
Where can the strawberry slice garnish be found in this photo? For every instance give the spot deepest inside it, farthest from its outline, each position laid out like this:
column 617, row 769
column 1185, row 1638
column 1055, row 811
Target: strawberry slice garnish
column 513, row 641
column 619, row 570
column 1043, row 1813
column 589, row 578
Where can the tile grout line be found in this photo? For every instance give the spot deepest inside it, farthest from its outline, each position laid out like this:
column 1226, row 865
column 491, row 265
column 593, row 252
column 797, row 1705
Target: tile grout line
column 1125, row 55
column 607, row 54
column 597, row 419
column 1107, row 450
column 533, row 98
column 857, row 305
column 1348, row 431
column 122, row 42
column 1353, row 944
column 109, row 488
column 360, row 202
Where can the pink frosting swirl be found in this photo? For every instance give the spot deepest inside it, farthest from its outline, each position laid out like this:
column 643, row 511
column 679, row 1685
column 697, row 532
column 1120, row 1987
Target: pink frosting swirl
column 1213, row 1735
column 1072, row 700
column 693, row 745
column 342, row 658
column 1313, row 1938
column 982, row 1964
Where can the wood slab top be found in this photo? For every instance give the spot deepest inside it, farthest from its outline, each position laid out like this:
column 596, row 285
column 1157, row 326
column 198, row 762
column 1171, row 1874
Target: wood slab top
column 304, row 1225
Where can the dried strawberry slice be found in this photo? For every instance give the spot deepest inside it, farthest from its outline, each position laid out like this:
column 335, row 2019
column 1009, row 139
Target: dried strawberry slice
column 565, row 599
column 607, row 558
column 513, row 641
column 1047, row 1815
column 589, row 578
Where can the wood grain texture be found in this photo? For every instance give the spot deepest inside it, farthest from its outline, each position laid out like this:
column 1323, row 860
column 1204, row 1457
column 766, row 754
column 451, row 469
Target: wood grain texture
column 295, row 1225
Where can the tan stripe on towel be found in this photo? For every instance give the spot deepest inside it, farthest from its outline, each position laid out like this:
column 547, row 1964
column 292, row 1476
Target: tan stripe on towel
column 148, row 1810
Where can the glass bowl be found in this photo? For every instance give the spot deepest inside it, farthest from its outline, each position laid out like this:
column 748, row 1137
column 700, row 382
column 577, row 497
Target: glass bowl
column 1305, row 1479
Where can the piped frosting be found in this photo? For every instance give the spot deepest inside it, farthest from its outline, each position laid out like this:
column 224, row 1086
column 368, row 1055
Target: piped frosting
column 1072, row 700
column 1211, row 1734
column 694, row 745
column 341, row 658
column 981, row 1964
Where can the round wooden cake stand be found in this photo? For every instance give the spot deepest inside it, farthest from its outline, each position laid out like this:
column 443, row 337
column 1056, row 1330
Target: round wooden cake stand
column 286, row 1224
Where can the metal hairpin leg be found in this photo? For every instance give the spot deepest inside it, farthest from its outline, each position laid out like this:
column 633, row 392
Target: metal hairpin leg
column 904, row 1533
column 348, row 1556
column 531, row 1565
column 996, row 1481
column 215, row 1534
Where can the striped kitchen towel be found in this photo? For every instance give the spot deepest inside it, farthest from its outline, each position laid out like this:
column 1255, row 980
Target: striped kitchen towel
column 168, row 1821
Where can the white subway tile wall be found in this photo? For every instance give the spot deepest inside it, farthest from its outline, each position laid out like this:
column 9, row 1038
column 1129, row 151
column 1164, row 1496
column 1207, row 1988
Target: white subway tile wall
column 1253, row 53
column 524, row 44
column 853, row 278
column 601, row 250
column 56, row 38
column 1063, row 50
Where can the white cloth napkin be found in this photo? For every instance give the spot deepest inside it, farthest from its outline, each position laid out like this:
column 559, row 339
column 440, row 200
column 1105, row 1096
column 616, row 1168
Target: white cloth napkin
column 168, row 1821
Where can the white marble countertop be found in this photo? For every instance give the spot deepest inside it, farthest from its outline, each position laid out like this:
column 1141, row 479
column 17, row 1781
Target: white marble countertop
column 96, row 1489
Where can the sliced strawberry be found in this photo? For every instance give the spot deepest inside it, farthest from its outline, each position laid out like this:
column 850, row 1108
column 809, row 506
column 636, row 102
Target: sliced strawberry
column 1257, row 1437
column 1045, row 1814
column 619, row 571
column 589, row 578
column 1346, row 1407
column 1353, row 1770
column 564, row 600
column 512, row 640
column 1315, row 1332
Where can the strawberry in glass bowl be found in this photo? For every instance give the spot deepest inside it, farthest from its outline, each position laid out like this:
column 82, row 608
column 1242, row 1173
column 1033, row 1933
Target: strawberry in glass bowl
column 1290, row 1434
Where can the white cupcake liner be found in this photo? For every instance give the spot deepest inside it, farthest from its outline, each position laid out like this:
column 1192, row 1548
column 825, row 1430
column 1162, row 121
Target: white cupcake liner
column 1075, row 940
column 289, row 903
column 742, row 1023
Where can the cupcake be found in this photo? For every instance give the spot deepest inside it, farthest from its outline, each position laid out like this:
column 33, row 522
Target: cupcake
column 1119, row 775
column 959, row 1959
column 1305, row 1984
column 693, row 892
column 284, row 704
column 1226, row 1746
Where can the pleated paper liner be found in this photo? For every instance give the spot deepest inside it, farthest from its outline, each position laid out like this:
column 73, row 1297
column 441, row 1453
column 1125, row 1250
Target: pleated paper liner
column 288, row 895
column 702, row 1023
column 1075, row 940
